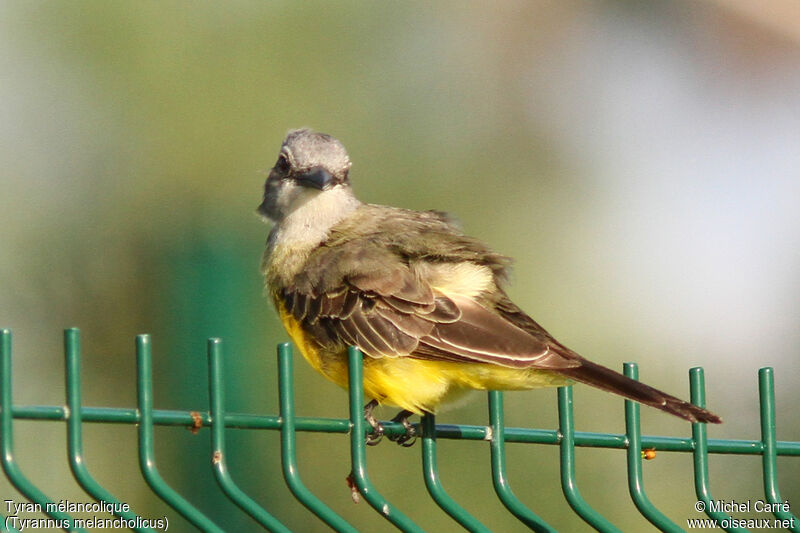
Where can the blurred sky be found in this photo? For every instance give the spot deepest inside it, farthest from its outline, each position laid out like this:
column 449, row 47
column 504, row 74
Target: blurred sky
column 640, row 162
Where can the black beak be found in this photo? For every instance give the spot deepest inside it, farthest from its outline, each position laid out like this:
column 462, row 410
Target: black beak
column 316, row 177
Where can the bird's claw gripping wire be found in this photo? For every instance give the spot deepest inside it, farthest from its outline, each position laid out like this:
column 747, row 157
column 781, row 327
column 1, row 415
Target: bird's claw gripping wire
column 376, row 435
column 408, row 438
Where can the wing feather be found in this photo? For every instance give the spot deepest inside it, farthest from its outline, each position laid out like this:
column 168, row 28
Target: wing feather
column 408, row 323
column 375, row 287
column 313, row 309
column 445, row 311
column 349, row 306
column 395, row 297
column 348, row 333
column 406, row 307
column 376, row 345
column 353, row 334
column 438, row 326
column 333, row 304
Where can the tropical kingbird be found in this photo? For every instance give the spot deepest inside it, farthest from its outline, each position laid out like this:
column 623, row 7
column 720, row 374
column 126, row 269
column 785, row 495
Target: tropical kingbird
column 424, row 302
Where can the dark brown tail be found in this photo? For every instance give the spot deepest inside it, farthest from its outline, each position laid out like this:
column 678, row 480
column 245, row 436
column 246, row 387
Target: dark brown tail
column 606, row 379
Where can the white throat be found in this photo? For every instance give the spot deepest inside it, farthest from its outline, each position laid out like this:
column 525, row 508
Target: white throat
column 309, row 224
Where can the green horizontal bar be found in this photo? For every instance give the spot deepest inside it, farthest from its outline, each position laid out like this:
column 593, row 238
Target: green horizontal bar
column 163, row 417
column 114, row 415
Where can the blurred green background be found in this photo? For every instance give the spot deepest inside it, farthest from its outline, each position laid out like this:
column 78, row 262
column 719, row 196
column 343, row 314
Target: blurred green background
column 640, row 162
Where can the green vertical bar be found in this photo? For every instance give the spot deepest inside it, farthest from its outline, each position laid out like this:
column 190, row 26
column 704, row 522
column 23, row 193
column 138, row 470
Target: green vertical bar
column 697, row 391
column 10, row 466
column 634, row 452
column 766, row 393
column 499, row 478
column 147, row 456
column 219, row 460
column 358, row 452
column 434, row 484
column 569, row 482
column 289, row 446
column 77, row 462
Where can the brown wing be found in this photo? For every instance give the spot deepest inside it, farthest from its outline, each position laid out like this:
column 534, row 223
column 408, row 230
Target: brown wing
column 358, row 289
column 396, row 314
column 483, row 335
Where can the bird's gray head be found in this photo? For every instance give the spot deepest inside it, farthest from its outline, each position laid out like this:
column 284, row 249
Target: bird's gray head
column 310, row 164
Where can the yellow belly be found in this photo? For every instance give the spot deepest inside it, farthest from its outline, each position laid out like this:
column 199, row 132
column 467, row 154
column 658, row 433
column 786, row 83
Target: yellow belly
column 415, row 384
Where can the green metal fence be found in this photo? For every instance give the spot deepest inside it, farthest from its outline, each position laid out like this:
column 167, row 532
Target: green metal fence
column 146, row 417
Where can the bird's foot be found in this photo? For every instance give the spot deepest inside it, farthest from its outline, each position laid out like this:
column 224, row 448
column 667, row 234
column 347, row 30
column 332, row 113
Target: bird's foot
column 410, row 436
column 376, row 435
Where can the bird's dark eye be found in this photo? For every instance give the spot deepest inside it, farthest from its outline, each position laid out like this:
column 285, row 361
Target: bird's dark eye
column 282, row 165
